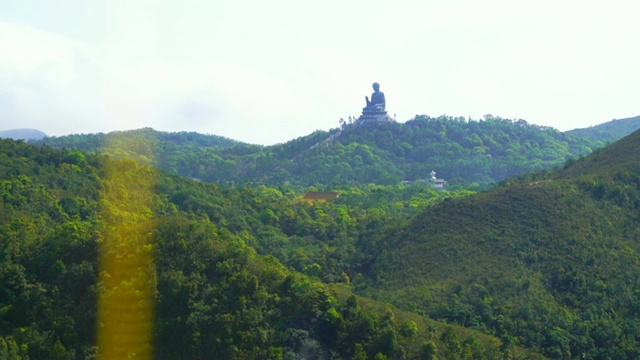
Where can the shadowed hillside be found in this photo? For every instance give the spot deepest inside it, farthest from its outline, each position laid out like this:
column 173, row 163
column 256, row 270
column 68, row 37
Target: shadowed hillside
column 550, row 264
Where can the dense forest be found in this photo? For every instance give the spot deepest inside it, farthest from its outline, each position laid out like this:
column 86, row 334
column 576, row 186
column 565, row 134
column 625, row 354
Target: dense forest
column 103, row 255
column 466, row 153
column 100, row 256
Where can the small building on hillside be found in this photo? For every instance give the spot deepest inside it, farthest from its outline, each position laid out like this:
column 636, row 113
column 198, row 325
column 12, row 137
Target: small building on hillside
column 437, row 183
column 319, row 196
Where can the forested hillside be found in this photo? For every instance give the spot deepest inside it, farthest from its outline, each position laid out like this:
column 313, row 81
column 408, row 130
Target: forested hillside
column 549, row 260
column 460, row 151
column 143, row 144
column 609, row 131
column 544, row 265
column 104, row 256
column 466, row 153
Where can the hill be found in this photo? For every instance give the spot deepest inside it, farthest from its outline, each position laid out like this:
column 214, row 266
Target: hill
column 141, row 142
column 545, row 263
column 609, row 131
column 23, row 134
column 460, row 151
column 619, row 159
column 548, row 261
column 110, row 257
column 466, row 153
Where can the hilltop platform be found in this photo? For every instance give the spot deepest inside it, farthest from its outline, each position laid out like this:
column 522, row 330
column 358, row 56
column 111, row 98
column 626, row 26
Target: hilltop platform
column 374, row 118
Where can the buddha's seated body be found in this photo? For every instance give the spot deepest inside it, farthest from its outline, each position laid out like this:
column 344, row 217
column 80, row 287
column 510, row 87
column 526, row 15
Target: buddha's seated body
column 377, row 102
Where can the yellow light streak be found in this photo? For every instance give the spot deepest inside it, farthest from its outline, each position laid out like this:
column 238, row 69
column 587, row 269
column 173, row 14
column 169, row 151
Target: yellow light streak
column 127, row 272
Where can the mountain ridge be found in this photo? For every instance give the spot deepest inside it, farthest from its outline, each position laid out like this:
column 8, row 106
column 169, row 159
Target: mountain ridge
column 23, row 134
column 465, row 153
column 608, row 131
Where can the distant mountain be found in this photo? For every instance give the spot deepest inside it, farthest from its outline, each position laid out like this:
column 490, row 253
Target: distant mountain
column 609, row 131
column 184, row 153
column 460, row 151
column 549, row 261
column 127, row 140
column 23, row 134
column 464, row 153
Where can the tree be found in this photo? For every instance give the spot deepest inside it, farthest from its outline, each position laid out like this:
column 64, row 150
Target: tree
column 428, row 350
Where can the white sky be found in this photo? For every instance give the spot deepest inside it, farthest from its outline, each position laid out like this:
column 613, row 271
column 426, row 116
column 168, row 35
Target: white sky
column 270, row 71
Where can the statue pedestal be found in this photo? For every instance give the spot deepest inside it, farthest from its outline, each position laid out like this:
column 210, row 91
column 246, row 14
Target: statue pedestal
column 376, row 117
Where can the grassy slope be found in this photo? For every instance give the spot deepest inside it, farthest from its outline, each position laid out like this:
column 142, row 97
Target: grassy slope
column 548, row 249
column 623, row 154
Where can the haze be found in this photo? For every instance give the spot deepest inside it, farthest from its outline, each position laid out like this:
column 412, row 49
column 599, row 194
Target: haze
column 269, row 71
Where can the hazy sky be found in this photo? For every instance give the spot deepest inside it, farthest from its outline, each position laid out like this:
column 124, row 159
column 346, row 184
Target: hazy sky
column 270, row 71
